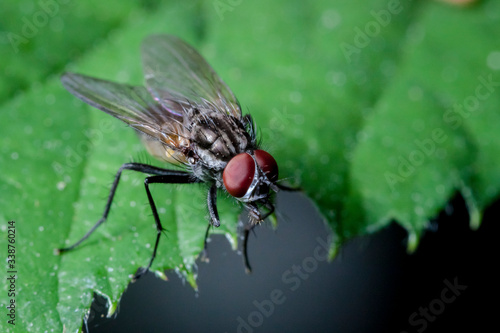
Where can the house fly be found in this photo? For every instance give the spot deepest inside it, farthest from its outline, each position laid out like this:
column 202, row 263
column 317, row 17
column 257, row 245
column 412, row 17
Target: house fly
column 186, row 116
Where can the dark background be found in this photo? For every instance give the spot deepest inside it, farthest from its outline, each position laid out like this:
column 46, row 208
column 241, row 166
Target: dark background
column 372, row 286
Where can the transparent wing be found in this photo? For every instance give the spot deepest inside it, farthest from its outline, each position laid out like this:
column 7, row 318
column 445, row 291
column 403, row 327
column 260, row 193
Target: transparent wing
column 176, row 73
column 131, row 104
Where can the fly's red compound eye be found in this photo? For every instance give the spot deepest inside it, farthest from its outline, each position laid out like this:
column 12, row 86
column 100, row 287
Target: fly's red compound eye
column 267, row 163
column 238, row 174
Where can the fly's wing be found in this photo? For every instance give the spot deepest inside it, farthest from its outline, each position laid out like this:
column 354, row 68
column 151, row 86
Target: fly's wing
column 132, row 105
column 176, row 73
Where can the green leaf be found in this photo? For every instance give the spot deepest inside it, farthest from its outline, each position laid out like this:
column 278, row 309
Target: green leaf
column 431, row 132
column 379, row 111
column 33, row 34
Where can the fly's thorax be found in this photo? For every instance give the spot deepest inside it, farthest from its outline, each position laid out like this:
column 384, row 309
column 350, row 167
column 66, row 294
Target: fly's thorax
column 216, row 138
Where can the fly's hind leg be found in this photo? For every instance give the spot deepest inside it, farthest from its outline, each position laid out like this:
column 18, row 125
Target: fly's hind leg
column 160, row 176
column 139, row 167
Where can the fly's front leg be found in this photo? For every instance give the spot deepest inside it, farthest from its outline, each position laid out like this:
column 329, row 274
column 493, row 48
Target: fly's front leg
column 214, row 217
column 255, row 218
column 248, row 228
column 212, row 206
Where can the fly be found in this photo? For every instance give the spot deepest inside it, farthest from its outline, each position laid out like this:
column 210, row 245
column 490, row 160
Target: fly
column 186, row 116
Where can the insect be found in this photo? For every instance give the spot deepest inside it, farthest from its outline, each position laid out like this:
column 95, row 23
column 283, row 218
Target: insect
column 186, row 115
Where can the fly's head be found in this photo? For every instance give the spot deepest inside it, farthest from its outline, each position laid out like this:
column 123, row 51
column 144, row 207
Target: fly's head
column 250, row 176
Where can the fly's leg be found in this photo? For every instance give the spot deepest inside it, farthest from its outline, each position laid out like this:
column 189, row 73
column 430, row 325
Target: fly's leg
column 249, row 227
column 176, row 177
column 144, row 168
column 212, row 206
column 214, row 217
column 204, row 253
column 180, row 176
column 255, row 218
